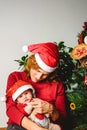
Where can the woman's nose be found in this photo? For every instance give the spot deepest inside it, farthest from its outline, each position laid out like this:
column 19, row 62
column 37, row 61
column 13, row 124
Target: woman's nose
column 39, row 76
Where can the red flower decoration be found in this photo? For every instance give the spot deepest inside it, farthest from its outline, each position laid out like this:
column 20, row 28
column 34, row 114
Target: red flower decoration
column 85, row 26
column 79, row 51
column 80, row 40
column 85, row 81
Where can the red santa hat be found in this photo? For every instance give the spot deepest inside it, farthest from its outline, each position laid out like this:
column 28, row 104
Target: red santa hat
column 46, row 55
column 18, row 88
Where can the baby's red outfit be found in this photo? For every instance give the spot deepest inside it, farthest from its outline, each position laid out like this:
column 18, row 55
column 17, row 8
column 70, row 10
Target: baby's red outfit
column 40, row 119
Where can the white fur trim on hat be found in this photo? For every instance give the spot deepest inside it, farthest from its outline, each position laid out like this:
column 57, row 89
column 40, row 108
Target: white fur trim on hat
column 43, row 65
column 25, row 48
column 85, row 39
column 21, row 90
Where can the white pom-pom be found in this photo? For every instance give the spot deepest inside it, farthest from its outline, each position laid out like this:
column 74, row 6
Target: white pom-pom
column 3, row 99
column 25, row 48
column 85, row 39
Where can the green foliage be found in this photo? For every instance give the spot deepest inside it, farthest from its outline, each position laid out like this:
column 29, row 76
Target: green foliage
column 73, row 75
column 66, row 64
column 22, row 61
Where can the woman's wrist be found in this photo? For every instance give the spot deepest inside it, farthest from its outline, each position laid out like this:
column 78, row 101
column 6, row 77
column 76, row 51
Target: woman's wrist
column 51, row 109
column 54, row 114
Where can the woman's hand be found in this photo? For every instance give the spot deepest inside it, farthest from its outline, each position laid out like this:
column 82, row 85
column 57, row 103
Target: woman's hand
column 55, row 114
column 42, row 106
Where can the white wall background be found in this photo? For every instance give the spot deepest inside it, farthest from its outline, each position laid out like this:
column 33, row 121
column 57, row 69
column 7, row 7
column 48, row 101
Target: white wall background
column 29, row 21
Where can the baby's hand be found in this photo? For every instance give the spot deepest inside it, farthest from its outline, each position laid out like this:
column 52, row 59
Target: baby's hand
column 28, row 108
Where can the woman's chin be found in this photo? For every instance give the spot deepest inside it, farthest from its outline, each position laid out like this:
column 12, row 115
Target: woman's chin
column 34, row 80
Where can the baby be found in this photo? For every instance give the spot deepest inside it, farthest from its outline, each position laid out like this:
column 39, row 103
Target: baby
column 23, row 93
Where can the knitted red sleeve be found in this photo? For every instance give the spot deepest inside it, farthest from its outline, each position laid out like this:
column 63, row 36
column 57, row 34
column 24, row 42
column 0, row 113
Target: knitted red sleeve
column 21, row 108
column 14, row 115
column 60, row 101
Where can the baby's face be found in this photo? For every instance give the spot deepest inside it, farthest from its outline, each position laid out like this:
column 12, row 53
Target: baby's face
column 25, row 97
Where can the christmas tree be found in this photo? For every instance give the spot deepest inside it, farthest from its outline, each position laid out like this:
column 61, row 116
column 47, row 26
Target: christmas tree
column 73, row 73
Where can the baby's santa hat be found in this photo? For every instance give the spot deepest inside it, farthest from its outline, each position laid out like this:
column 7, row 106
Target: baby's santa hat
column 46, row 55
column 18, row 88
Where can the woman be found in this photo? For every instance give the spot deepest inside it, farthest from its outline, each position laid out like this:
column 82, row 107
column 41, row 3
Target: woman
column 40, row 71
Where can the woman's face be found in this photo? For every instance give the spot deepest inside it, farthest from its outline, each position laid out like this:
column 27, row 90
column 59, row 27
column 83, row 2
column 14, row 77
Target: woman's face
column 38, row 74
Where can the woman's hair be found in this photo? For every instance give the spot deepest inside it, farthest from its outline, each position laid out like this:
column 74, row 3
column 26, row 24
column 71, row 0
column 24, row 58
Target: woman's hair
column 31, row 63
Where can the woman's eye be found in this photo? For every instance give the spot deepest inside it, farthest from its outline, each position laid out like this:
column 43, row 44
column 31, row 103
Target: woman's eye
column 37, row 70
